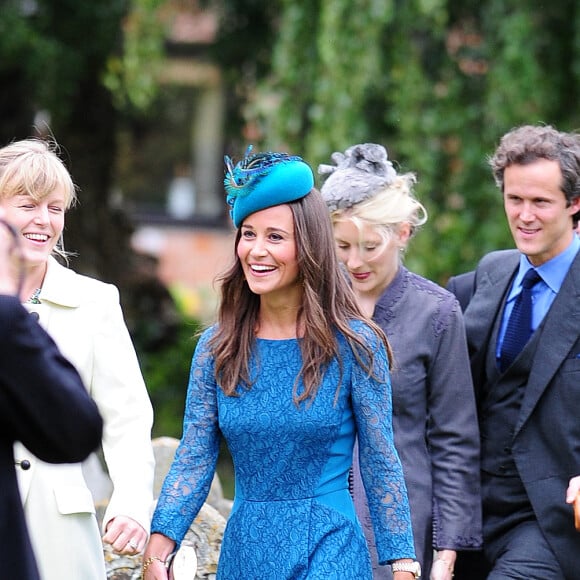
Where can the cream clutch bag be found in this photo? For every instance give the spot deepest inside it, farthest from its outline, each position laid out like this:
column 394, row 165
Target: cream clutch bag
column 184, row 564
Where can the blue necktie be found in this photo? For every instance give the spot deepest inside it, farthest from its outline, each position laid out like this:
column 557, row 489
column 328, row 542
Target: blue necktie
column 519, row 327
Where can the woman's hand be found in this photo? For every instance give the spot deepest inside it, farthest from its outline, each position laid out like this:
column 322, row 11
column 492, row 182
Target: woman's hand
column 125, row 535
column 154, row 569
column 443, row 564
column 155, row 557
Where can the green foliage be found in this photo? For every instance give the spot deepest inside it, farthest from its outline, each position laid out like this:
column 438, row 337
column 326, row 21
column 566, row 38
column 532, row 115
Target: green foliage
column 513, row 103
column 349, row 49
column 131, row 74
column 45, row 37
column 438, row 82
column 166, row 374
column 58, row 43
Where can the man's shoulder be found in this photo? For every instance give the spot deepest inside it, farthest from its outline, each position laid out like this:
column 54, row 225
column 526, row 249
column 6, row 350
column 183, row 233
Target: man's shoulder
column 503, row 259
column 495, row 264
column 462, row 286
column 493, row 270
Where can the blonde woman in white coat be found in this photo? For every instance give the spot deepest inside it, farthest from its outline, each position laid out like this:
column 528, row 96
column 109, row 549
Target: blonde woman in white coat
column 84, row 318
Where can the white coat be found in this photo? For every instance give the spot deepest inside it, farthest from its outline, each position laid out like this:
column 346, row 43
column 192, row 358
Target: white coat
column 84, row 318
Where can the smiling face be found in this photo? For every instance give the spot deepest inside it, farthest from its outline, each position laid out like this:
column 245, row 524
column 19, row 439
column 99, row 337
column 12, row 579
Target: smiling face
column 40, row 223
column 536, row 210
column 268, row 254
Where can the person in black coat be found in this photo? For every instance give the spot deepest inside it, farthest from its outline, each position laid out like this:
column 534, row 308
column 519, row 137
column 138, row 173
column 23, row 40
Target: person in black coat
column 43, row 404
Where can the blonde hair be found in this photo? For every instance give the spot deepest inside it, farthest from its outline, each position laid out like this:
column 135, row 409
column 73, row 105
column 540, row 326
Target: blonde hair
column 388, row 208
column 32, row 167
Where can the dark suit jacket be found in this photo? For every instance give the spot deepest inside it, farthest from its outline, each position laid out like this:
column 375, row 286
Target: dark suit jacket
column 43, row 404
column 546, row 442
column 463, row 286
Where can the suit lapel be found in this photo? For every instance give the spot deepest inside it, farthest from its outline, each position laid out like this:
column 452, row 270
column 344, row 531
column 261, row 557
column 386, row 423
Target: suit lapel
column 559, row 332
column 493, row 281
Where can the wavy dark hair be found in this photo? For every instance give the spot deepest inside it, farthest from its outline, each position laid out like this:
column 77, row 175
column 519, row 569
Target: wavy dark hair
column 530, row 143
column 328, row 306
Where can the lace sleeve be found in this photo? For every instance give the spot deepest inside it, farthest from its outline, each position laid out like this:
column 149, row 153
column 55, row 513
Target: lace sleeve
column 189, row 479
column 380, row 466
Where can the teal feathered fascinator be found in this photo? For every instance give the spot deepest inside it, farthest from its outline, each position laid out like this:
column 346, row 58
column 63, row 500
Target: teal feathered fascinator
column 264, row 180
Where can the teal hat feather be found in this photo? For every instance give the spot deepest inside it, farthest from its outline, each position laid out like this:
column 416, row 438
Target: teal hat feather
column 264, row 180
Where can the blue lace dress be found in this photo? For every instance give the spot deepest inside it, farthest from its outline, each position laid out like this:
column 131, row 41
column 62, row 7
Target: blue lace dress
column 293, row 517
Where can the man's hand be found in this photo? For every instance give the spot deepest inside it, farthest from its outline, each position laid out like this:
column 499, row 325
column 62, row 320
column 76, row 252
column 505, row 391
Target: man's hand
column 125, row 535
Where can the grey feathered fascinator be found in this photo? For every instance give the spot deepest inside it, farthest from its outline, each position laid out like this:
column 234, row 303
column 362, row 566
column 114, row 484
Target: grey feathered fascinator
column 359, row 173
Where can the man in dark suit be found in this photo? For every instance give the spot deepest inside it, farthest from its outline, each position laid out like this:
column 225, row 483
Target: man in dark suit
column 529, row 396
column 43, row 404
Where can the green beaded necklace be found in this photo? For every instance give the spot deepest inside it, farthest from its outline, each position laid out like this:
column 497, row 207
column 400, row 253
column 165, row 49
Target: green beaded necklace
column 34, row 298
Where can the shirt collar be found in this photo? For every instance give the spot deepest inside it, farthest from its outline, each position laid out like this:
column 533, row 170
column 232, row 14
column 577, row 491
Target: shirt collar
column 553, row 271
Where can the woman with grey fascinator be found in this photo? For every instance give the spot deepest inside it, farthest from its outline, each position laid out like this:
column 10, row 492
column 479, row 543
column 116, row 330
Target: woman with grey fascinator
column 375, row 213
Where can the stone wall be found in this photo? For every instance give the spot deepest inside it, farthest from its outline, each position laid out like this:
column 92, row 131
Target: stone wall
column 204, row 535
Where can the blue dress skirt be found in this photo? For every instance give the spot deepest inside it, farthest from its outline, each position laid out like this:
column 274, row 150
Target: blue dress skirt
column 293, row 517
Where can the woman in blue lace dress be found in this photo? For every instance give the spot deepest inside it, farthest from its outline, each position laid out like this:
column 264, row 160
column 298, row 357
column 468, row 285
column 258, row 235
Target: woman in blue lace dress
column 289, row 375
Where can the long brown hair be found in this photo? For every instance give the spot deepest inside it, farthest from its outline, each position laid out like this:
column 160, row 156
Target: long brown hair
column 329, row 306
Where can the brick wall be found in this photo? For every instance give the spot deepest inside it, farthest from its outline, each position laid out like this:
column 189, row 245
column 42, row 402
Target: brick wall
column 189, row 259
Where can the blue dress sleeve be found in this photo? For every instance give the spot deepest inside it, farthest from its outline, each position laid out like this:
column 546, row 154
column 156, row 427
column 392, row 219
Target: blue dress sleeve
column 189, row 479
column 380, row 466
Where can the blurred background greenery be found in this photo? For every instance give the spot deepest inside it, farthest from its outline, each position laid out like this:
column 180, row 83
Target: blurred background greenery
column 145, row 97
